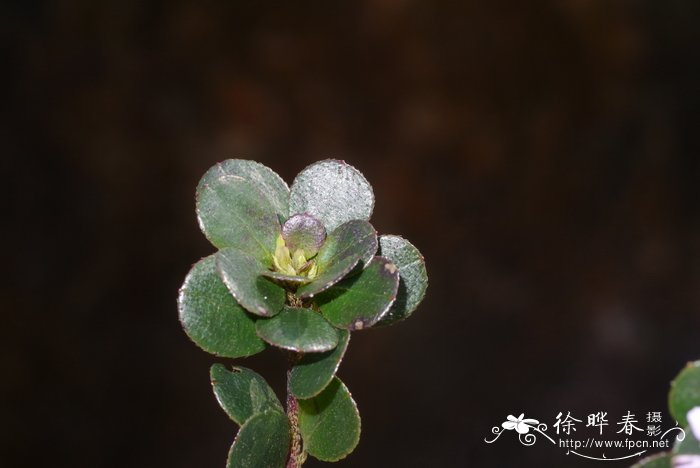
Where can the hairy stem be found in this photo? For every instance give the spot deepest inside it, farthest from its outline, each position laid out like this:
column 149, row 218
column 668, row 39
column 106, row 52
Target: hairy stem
column 296, row 452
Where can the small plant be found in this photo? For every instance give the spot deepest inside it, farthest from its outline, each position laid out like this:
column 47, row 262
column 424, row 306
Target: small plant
column 298, row 269
column 684, row 406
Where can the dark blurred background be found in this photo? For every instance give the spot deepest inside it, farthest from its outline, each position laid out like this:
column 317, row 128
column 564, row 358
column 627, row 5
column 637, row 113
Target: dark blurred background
column 543, row 155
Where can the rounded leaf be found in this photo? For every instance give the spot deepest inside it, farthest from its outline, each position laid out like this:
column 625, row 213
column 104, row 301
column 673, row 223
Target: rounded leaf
column 355, row 236
column 685, row 392
column 344, row 248
column 333, row 191
column 315, row 371
column 242, row 275
column 265, row 179
column 298, row 329
column 360, row 301
column 330, row 423
column 286, row 279
column 263, row 441
column 242, row 393
column 688, row 446
column 233, row 212
column 305, row 232
column 212, row 318
column 413, row 277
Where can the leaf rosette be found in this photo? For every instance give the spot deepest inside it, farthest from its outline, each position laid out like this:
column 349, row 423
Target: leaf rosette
column 298, row 269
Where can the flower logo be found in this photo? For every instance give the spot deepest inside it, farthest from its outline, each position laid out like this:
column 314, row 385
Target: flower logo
column 522, row 426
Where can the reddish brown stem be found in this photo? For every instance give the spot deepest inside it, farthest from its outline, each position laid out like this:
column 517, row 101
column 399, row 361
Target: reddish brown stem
column 296, row 455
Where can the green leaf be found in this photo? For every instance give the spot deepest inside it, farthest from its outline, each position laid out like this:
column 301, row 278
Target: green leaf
column 265, row 179
column 659, row 460
column 360, row 301
column 212, row 318
column 263, row 441
column 328, row 278
column 315, row 371
column 330, row 423
column 298, row 329
column 413, row 277
column 241, row 273
column 332, row 191
column 685, row 392
column 242, row 393
column 286, row 279
column 232, row 212
column 344, row 247
column 305, row 232
column 688, row 446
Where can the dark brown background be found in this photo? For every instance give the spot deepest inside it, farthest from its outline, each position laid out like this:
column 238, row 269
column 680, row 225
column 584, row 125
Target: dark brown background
column 543, row 155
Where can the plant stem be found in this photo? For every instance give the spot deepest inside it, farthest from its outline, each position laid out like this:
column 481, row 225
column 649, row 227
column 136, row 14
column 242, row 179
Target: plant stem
column 296, row 454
